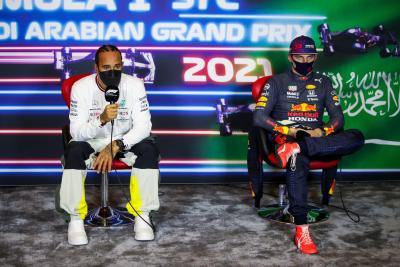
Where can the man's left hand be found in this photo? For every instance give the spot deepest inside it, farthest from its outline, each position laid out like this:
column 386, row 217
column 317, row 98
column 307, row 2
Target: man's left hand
column 104, row 160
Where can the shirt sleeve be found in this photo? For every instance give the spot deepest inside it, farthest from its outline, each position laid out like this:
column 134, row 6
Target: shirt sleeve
column 141, row 118
column 265, row 104
column 81, row 127
column 332, row 105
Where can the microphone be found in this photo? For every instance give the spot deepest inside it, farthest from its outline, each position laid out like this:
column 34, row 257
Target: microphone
column 111, row 94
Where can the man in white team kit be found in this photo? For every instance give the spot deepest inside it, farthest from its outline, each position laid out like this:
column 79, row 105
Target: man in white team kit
column 90, row 127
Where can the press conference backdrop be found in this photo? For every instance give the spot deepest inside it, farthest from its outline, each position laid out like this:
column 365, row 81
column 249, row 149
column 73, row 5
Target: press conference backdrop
column 191, row 54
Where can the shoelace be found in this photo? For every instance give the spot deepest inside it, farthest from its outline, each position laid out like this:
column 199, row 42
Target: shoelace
column 293, row 162
column 305, row 237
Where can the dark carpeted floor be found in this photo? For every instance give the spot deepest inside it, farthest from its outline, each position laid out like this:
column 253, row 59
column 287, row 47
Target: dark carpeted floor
column 204, row 225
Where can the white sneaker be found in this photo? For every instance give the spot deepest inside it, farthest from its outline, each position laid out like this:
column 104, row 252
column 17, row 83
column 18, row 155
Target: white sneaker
column 76, row 233
column 143, row 231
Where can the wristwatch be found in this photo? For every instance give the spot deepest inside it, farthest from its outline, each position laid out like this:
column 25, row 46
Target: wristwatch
column 120, row 144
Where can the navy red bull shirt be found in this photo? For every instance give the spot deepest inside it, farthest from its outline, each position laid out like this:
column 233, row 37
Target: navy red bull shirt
column 299, row 99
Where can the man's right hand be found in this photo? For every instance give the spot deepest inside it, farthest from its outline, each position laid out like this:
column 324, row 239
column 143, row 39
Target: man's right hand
column 110, row 112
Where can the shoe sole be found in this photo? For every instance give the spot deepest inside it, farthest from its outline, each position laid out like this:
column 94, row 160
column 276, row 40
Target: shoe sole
column 305, row 253
column 78, row 243
column 144, row 239
column 302, row 252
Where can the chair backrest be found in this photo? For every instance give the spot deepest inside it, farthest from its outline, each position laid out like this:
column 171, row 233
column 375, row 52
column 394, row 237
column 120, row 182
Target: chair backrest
column 66, row 86
column 258, row 86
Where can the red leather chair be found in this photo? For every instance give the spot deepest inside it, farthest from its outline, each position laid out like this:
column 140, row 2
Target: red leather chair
column 105, row 215
column 278, row 211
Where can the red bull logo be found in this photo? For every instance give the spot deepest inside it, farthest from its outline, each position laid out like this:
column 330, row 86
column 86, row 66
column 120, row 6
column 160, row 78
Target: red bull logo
column 332, row 188
column 281, row 129
column 304, row 107
column 328, row 130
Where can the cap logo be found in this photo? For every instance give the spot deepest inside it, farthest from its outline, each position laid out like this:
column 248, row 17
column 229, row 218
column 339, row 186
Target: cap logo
column 297, row 46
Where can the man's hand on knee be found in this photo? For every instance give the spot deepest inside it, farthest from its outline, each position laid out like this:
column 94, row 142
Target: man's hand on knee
column 292, row 132
column 104, row 160
column 317, row 132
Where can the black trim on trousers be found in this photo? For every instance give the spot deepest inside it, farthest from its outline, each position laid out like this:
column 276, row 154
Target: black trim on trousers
column 77, row 152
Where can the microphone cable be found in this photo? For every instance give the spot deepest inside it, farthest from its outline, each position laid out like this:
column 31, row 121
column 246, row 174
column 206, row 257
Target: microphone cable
column 356, row 217
column 151, row 224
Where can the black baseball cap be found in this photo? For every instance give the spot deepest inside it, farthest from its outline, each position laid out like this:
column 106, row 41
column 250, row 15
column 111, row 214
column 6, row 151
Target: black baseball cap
column 302, row 45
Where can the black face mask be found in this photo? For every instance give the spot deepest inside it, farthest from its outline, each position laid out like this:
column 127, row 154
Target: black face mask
column 110, row 77
column 303, row 68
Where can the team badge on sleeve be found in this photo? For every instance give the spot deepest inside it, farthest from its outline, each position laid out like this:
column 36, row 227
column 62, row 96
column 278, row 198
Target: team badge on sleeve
column 144, row 105
column 262, row 102
column 281, row 129
column 262, row 99
column 265, row 91
column 336, row 99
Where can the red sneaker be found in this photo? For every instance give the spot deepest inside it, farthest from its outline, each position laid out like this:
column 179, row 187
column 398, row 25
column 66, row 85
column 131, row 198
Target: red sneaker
column 303, row 240
column 284, row 152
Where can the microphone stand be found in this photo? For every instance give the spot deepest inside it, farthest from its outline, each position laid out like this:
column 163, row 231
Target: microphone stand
column 105, row 215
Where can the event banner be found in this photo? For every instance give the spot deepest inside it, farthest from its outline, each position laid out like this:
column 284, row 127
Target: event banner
column 198, row 59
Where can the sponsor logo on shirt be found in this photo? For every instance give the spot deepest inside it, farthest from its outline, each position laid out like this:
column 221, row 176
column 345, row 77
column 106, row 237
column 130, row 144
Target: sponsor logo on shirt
column 144, row 105
column 292, row 88
column 318, row 80
column 336, row 99
column 281, row 129
column 262, row 99
column 265, row 92
column 303, row 112
column 292, row 95
column 122, row 103
column 123, row 114
column 261, row 104
column 303, row 118
column 311, row 93
column 310, row 87
column 304, row 107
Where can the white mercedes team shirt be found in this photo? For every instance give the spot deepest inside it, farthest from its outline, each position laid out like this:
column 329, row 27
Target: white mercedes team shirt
column 133, row 122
